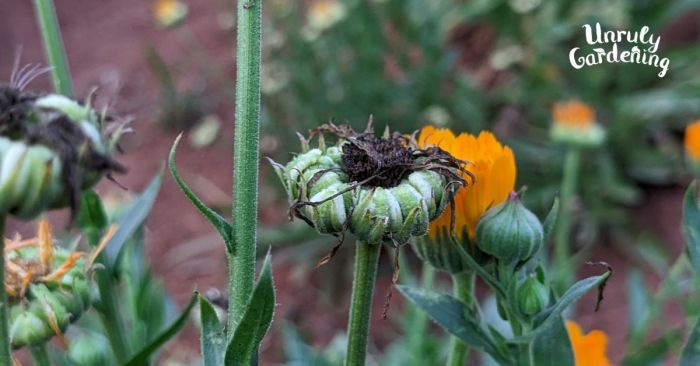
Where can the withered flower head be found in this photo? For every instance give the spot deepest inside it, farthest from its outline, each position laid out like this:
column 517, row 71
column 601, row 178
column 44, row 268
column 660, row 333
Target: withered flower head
column 48, row 287
column 51, row 148
column 381, row 189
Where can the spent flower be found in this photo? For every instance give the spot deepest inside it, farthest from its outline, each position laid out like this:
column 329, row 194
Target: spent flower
column 48, row 287
column 51, row 148
column 382, row 189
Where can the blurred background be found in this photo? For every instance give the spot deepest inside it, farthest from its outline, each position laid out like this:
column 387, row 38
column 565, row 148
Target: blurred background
column 465, row 65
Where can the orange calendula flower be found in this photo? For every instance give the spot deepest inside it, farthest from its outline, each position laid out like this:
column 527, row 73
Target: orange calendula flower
column 574, row 122
column 493, row 167
column 692, row 141
column 168, row 13
column 589, row 349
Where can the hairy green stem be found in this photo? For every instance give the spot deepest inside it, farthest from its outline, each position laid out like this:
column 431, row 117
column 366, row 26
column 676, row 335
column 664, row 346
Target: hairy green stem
column 366, row 260
column 53, row 46
column 463, row 289
column 5, row 356
column 245, row 160
column 108, row 308
column 40, row 355
column 562, row 233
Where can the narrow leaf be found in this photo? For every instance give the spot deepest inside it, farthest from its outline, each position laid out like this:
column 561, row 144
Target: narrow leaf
column 132, row 219
column 243, row 346
column 454, row 316
column 653, row 353
column 212, row 338
column 691, row 225
column 551, row 218
column 142, row 356
column 91, row 219
column 691, row 350
column 552, row 346
column 638, row 299
column 219, row 223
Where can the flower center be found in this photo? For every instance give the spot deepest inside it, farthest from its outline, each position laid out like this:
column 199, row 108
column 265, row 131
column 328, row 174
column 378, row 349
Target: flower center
column 378, row 162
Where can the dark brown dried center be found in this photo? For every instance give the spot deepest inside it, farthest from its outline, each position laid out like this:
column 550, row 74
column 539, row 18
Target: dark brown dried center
column 383, row 162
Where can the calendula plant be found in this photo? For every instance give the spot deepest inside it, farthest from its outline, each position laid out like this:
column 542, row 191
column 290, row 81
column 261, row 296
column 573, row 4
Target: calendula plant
column 500, row 245
column 383, row 190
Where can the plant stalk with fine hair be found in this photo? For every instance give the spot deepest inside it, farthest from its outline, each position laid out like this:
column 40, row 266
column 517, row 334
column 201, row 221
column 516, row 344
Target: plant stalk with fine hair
column 463, row 288
column 5, row 358
column 53, row 46
column 562, row 233
column 40, row 355
column 245, row 160
column 366, row 259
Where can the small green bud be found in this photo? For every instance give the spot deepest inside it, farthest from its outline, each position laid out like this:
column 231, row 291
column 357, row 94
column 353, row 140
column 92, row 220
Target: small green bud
column 531, row 296
column 509, row 232
column 90, row 349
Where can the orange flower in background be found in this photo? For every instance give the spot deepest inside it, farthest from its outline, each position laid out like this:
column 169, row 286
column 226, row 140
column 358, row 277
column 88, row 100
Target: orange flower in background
column 573, row 113
column 692, row 141
column 493, row 167
column 168, row 13
column 574, row 123
column 589, row 349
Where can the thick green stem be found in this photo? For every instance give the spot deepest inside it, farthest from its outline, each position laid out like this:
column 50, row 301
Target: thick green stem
column 40, row 355
column 5, row 356
column 366, row 259
column 245, row 160
column 53, row 46
column 108, row 308
column 463, row 289
column 562, row 234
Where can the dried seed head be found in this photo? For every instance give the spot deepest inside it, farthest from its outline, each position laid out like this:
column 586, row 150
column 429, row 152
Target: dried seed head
column 380, row 189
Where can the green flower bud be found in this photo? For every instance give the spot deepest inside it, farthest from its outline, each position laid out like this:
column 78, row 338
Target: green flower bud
column 509, row 232
column 90, row 349
column 531, row 296
column 390, row 196
column 51, row 148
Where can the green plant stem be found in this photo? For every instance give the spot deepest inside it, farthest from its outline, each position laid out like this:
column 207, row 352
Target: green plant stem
column 108, row 308
column 40, row 355
column 5, row 355
column 463, row 289
column 366, row 259
column 245, row 161
column 562, row 234
column 418, row 326
column 53, row 46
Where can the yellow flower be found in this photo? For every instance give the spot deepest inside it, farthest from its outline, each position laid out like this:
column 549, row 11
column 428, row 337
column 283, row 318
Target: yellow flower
column 493, row 167
column 323, row 14
column 589, row 349
column 692, row 141
column 168, row 13
column 574, row 122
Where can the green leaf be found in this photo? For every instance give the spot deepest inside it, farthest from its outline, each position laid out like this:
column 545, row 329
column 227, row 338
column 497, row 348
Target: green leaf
column 552, row 346
column 131, row 221
column 653, row 353
column 552, row 314
column 219, row 223
column 551, row 218
column 691, row 350
column 213, row 337
column 691, row 225
column 638, row 300
column 91, row 217
column 243, row 346
column 454, row 316
column 141, row 358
